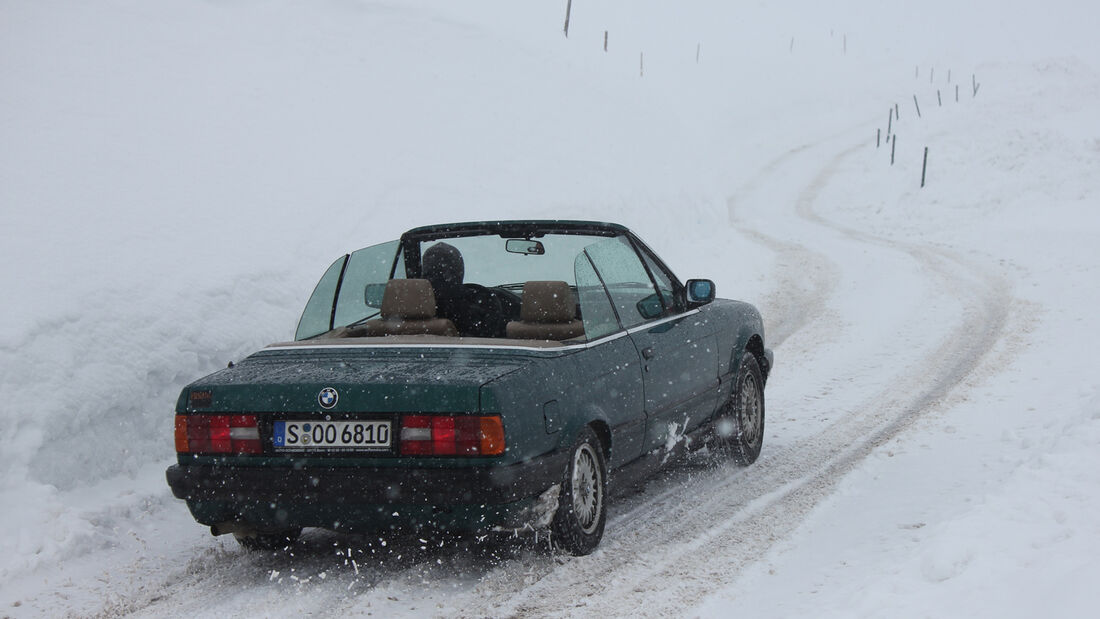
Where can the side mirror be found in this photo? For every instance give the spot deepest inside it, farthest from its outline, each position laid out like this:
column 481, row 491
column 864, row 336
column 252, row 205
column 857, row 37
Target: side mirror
column 650, row 307
column 373, row 295
column 700, row 291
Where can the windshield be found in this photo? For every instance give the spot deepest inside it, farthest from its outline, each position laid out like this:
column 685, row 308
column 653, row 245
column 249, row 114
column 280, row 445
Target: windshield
column 558, row 287
column 346, row 292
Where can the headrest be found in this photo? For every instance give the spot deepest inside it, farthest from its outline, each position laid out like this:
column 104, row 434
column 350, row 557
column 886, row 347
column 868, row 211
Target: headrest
column 408, row 298
column 548, row 302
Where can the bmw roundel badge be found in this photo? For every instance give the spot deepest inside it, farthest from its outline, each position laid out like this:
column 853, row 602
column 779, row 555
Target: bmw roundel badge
column 328, row 398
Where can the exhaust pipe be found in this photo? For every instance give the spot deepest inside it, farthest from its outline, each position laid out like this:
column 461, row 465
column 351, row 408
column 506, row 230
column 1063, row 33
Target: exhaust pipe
column 231, row 526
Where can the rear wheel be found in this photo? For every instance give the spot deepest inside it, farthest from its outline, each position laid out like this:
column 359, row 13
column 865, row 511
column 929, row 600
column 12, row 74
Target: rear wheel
column 268, row 541
column 740, row 426
column 582, row 506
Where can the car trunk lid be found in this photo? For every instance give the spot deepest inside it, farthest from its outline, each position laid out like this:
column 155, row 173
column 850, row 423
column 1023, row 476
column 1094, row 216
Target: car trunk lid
column 369, row 379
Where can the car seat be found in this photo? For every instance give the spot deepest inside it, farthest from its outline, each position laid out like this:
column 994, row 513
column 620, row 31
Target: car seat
column 548, row 312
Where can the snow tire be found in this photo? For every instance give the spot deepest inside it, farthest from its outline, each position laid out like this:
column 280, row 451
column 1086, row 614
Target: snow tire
column 739, row 428
column 582, row 507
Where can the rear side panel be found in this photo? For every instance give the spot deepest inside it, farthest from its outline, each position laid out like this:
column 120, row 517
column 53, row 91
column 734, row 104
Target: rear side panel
column 551, row 399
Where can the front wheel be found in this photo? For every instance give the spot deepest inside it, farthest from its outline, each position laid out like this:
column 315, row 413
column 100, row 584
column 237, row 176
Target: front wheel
column 740, row 425
column 582, row 505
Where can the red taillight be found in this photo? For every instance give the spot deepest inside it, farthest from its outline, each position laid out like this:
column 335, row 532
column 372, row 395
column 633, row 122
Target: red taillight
column 218, row 434
column 468, row 436
column 443, row 436
column 451, row 435
column 198, row 433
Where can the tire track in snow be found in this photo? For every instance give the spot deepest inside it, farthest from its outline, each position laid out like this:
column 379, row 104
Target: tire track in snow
column 805, row 278
column 673, row 549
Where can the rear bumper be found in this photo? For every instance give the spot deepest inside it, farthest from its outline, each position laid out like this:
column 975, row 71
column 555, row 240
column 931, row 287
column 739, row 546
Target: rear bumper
column 479, row 485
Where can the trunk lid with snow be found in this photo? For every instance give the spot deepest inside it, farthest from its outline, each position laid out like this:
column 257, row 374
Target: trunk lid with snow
column 369, row 379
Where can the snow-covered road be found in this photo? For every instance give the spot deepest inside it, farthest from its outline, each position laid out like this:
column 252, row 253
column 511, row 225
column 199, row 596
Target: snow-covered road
column 934, row 413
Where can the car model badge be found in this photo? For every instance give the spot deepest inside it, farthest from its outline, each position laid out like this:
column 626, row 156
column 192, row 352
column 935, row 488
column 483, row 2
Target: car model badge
column 328, row 398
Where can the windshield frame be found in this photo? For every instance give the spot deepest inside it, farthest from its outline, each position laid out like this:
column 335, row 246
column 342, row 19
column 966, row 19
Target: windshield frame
column 406, row 263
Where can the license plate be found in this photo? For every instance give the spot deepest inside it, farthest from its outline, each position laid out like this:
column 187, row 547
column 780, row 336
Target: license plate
column 343, row 435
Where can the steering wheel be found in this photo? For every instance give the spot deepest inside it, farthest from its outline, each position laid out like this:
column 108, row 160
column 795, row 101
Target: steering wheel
column 492, row 309
column 499, row 301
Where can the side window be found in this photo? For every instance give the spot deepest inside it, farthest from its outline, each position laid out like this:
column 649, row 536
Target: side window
column 596, row 311
column 367, row 268
column 315, row 318
column 632, row 292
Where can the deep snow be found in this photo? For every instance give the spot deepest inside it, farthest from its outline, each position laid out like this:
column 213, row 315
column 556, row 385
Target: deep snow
column 175, row 176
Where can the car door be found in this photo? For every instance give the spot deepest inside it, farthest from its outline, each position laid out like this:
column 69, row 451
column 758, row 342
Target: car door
column 612, row 366
column 678, row 351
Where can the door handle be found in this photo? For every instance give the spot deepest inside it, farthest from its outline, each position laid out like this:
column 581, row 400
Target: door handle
column 648, row 353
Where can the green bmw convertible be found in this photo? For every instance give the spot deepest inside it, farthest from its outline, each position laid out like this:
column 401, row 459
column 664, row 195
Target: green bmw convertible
column 470, row 377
